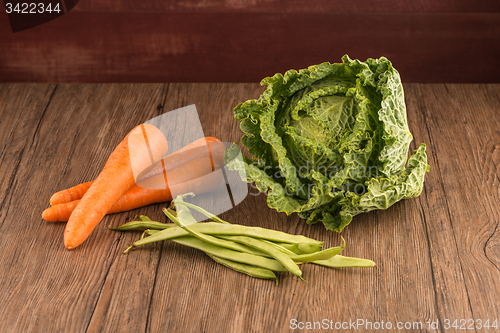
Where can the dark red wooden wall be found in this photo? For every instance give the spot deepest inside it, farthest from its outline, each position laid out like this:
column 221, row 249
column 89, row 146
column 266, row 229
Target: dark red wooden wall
column 246, row 40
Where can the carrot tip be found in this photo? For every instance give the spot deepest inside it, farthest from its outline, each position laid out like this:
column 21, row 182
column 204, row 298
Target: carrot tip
column 69, row 244
column 46, row 215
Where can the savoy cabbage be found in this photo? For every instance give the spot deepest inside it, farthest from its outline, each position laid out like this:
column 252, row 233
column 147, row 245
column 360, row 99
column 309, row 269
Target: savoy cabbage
column 330, row 141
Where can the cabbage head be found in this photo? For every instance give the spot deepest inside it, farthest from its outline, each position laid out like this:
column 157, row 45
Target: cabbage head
column 330, row 142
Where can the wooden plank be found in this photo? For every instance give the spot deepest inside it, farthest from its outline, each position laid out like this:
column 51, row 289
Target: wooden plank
column 12, row 98
column 211, row 46
column 463, row 213
column 21, row 137
column 450, row 291
column 52, row 147
column 297, row 6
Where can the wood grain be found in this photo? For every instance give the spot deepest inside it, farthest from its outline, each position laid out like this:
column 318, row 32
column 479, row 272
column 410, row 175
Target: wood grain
column 238, row 46
column 12, row 97
column 64, row 134
column 450, row 292
column 438, row 255
column 474, row 220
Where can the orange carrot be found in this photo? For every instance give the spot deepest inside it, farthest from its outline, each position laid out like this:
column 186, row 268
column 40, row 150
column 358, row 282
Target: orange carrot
column 204, row 147
column 70, row 194
column 141, row 148
column 197, row 143
column 61, row 212
column 195, row 176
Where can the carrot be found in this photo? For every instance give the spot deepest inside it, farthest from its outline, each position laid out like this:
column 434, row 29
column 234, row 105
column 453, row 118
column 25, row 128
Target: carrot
column 60, row 212
column 197, row 143
column 195, row 149
column 204, row 147
column 195, row 176
column 70, row 194
column 141, row 148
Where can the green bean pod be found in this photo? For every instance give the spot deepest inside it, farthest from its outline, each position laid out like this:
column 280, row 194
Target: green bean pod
column 213, row 228
column 210, row 239
column 225, row 253
column 340, row 261
column 176, row 232
column 283, row 258
column 301, row 247
column 216, row 229
column 211, row 216
column 257, row 252
column 320, row 255
column 308, row 257
column 151, row 232
column 134, row 225
column 161, row 235
column 253, row 271
column 279, row 246
column 226, row 228
column 308, row 247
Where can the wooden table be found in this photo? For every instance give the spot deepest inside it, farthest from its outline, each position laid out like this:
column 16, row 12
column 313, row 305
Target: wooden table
column 438, row 256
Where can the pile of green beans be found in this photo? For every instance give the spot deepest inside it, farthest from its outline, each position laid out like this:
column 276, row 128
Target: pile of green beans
column 257, row 252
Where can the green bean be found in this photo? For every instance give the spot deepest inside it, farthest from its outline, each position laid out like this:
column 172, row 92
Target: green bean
column 257, row 232
column 206, row 213
column 176, row 231
column 213, row 228
column 151, row 232
column 253, row 251
column 162, row 235
column 274, row 235
column 184, row 215
column 225, row 253
column 307, row 257
column 210, row 239
column 263, row 246
column 219, row 251
column 280, row 247
column 292, row 247
column 301, row 247
column 320, row 258
column 320, row 255
column 254, row 271
column 308, row 247
column 133, row 225
column 340, row 261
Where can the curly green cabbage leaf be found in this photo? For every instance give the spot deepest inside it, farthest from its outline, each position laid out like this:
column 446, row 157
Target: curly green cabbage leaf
column 330, row 142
